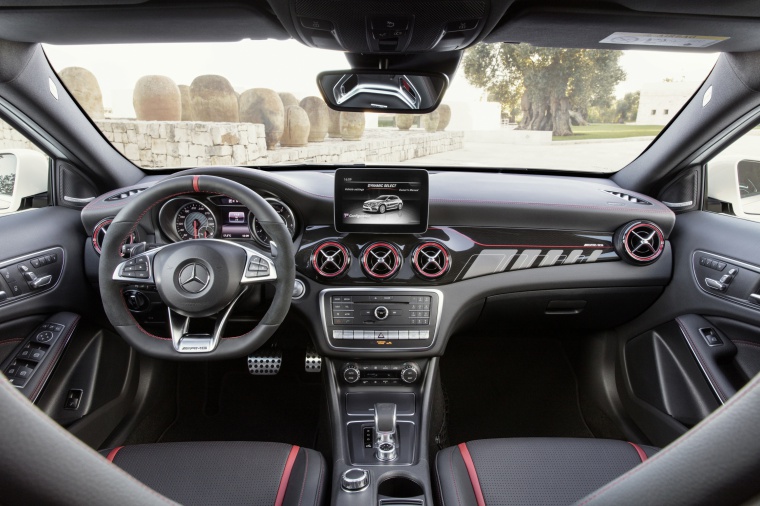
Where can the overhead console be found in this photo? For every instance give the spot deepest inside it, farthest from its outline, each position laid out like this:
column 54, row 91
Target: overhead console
column 371, row 26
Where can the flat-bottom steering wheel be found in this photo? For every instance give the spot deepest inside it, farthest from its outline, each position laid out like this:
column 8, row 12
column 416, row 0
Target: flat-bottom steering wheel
column 197, row 278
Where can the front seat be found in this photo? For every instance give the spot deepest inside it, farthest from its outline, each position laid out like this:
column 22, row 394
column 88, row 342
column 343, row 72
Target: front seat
column 226, row 472
column 537, row 471
column 42, row 463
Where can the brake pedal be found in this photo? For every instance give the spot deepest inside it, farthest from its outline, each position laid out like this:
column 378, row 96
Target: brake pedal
column 265, row 362
column 313, row 361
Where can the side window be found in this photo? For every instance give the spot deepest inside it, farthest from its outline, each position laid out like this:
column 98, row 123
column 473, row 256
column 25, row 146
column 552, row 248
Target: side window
column 23, row 171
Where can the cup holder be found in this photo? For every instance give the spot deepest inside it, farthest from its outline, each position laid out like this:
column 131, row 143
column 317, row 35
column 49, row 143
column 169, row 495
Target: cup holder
column 399, row 487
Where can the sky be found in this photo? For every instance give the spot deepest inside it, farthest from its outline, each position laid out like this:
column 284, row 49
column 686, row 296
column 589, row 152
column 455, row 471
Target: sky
column 290, row 66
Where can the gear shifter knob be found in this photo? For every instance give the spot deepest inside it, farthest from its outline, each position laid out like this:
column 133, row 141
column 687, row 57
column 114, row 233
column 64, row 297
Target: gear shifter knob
column 385, row 431
column 385, row 417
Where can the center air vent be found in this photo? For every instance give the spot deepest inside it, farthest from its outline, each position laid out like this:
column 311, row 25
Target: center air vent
column 430, row 260
column 629, row 198
column 125, row 195
column 99, row 234
column 639, row 242
column 381, row 260
column 330, row 259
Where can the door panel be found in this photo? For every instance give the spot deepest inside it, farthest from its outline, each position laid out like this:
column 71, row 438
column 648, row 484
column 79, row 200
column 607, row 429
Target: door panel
column 700, row 343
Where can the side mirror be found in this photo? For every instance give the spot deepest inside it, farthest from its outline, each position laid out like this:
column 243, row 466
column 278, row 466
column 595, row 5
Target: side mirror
column 382, row 90
column 735, row 181
column 23, row 173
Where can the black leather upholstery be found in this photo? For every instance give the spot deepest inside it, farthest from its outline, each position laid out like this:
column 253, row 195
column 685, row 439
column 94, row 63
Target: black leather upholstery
column 537, row 471
column 229, row 473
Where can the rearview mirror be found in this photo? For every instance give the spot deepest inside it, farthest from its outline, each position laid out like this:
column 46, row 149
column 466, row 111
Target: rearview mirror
column 382, row 90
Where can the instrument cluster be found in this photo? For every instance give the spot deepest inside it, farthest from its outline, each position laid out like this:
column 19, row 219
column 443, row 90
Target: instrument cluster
column 218, row 217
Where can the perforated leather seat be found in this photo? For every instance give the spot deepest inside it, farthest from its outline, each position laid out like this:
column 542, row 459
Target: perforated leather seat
column 228, row 473
column 532, row 471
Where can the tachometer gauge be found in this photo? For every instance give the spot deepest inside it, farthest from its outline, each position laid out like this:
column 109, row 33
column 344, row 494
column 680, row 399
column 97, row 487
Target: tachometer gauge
column 285, row 213
column 195, row 221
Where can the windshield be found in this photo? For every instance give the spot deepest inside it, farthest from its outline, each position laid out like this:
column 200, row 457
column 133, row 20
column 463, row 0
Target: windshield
column 256, row 103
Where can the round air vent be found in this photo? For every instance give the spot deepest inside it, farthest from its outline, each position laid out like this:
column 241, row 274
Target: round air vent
column 330, row 259
column 639, row 242
column 430, row 260
column 381, row 260
column 99, row 234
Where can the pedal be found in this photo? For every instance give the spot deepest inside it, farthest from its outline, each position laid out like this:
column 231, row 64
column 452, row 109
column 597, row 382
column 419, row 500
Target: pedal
column 265, row 362
column 313, row 361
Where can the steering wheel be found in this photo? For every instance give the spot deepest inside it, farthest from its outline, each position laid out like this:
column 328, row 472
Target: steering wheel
column 197, row 278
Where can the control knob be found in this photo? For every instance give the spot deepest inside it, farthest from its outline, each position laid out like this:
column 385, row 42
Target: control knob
column 410, row 372
column 354, row 479
column 381, row 312
column 351, row 373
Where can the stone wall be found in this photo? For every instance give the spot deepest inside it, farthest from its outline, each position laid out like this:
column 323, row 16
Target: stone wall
column 186, row 144
column 11, row 139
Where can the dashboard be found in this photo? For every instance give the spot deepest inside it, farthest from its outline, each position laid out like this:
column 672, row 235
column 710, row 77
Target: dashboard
column 410, row 271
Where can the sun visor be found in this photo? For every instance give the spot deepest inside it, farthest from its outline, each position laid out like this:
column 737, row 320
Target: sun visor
column 624, row 29
column 141, row 23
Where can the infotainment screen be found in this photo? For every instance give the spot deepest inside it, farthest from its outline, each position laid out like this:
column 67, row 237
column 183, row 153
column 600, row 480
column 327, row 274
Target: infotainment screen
column 381, row 200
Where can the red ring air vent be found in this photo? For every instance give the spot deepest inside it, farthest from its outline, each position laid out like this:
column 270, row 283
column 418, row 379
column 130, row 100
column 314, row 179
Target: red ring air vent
column 640, row 242
column 431, row 260
column 99, row 235
column 330, row 259
column 381, row 260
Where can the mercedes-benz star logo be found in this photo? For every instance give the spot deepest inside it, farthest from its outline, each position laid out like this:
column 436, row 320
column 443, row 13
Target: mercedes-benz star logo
column 194, row 278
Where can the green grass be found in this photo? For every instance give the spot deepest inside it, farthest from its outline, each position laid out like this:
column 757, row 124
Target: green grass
column 610, row 131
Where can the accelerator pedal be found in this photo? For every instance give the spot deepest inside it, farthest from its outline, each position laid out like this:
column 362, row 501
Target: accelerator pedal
column 313, row 361
column 265, row 362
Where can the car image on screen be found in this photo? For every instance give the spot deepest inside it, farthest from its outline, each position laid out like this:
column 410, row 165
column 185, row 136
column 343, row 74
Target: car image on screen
column 383, row 203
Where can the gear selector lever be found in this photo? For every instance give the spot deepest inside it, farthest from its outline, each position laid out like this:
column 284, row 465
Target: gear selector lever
column 385, row 431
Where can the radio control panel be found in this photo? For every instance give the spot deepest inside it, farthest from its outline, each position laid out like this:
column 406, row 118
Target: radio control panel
column 382, row 319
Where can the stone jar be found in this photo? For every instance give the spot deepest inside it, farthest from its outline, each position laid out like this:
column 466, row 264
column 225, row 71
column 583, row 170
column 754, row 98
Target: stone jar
column 351, row 125
column 296, row 130
column 430, row 121
column 213, row 99
column 84, row 87
column 187, row 103
column 288, row 99
column 157, row 98
column 444, row 110
column 319, row 117
column 404, row 121
column 333, row 128
column 264, row 106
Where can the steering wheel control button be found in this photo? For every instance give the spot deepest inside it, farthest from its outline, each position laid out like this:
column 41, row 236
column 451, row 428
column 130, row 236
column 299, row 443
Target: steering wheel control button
column 257, row 268
column 354, row 480
column 194, row 278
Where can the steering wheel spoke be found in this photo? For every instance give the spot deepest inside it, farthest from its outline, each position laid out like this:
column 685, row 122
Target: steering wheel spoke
column 185, row 342
column 138, row 269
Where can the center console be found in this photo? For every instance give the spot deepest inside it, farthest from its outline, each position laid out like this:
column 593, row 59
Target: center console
column 381, row 319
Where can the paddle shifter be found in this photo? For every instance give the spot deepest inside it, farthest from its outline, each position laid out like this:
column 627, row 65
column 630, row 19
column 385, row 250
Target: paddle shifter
column 385, row 431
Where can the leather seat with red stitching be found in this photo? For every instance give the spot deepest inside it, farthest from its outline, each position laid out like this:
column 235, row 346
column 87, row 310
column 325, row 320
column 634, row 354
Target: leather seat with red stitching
column 229, row 473
column 540, row 471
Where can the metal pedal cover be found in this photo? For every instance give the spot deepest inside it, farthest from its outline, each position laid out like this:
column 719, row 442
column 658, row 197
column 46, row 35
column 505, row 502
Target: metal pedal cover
column 265, row 362
column 313, row 361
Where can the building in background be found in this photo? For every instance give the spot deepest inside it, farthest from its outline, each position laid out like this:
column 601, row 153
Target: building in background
column 660, row 102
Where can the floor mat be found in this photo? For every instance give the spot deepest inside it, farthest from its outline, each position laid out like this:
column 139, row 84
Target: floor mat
column 506, row 387
column 220, row 401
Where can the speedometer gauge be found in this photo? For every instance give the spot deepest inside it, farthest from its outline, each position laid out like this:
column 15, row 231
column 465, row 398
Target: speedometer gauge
column 287, row 217
column 195, row 221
